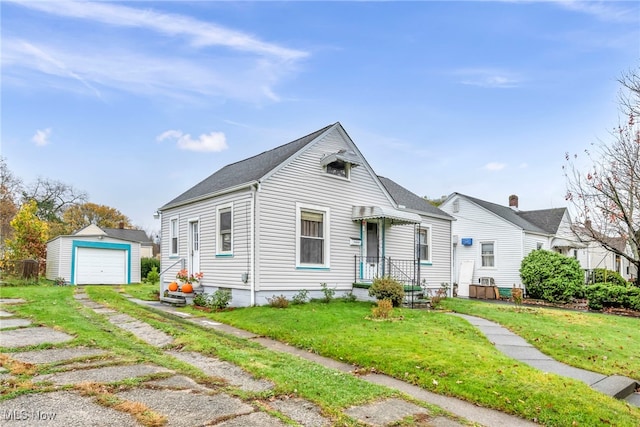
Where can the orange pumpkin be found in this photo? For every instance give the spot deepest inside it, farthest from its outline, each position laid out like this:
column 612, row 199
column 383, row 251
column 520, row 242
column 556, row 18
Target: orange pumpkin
column 187, row 288
column 173, row 286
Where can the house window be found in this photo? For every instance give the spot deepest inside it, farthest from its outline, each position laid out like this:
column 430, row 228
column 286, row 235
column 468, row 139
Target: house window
column 539, row 246
column 312, row 231
column 338, row 168
column 173, row 236
column 225, row 230
column 488, row 254
column 456, row 206
column 423, row 238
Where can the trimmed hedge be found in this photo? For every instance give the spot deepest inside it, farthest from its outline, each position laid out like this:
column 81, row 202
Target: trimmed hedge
column 601, row 295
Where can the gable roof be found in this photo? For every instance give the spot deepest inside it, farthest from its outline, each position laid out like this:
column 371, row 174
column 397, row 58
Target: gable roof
column 515, row 217
column 246, row 171
column 547, row 219
column 408, row 200
column 129, row 234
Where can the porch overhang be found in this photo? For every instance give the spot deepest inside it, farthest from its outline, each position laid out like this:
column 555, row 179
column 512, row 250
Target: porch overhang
column 360, row 213
column 558, row 242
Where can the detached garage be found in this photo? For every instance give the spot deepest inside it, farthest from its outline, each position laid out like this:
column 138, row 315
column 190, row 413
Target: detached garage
column 91, row 257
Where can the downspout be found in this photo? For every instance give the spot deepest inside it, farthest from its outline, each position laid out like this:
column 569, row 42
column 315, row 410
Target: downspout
column 252, row 254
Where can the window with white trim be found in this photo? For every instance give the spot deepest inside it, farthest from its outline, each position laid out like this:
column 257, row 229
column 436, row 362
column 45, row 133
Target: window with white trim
column 173, row 236
column 423, row 244
column 312, row 236
column 225, row 230
column 488, row 254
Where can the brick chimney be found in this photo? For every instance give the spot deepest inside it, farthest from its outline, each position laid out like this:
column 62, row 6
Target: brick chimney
column 513, row 201
column 121, row 223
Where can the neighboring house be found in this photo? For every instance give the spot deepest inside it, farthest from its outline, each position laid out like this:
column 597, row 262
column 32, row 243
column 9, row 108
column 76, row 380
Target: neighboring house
column 306, row 213
column 146, row 244
column 597, row 256
column 491, row 240
column 96, row 256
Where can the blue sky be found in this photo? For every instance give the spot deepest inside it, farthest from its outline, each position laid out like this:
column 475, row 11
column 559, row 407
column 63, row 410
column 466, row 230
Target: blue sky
column 135, row 102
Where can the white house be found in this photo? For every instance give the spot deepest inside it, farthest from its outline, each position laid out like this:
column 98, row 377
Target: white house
column 595, row 256
column 94, row 256
column 491, row 240
column 306, row 213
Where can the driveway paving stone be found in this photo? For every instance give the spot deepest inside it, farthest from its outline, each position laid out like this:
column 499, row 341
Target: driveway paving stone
column 60, row 408
column 32, row 336
column 221, row 369
column 384, row 412
column 53, row 355
column 14, row 323
column 105, row 375
column 256, row 419
column 187, row 409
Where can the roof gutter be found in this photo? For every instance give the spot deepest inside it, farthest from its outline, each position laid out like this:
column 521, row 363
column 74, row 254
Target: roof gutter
column 210, row 195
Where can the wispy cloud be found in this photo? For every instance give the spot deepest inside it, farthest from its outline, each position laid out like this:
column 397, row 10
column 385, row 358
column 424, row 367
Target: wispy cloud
column 494, row 166
column 41, row 137
column 604, row 10
column 196, row 59
column 488, row 78
column 212, row 142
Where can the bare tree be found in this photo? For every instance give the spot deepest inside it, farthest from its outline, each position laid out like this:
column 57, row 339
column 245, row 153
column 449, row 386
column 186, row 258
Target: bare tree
column 53, row 198
column 607, row 195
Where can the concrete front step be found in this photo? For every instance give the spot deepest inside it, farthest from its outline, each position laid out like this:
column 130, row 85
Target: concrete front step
column 176, row 300
column 616, row 386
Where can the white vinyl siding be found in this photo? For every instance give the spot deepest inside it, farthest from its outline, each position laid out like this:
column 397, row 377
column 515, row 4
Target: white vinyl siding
column 219, row 271
column 477, row 223
column 304, row 181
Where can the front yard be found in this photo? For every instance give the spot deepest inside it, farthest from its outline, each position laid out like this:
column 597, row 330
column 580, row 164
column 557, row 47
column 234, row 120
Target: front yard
column 445, row 354
column 432, row 349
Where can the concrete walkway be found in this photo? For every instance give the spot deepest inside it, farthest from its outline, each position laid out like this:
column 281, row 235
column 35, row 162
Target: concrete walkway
column 463, row 409
column 517, row 348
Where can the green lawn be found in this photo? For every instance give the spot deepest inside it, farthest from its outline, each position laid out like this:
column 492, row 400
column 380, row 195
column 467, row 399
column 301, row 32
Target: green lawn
column 597, row 342
column 441, row 353
column 55, row 306
column 434, row 350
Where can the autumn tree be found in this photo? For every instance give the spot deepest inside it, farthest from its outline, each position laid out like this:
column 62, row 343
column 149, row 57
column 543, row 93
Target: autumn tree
column 30, row 234
column 606, row 195
column 79, row 216
column 10, row 188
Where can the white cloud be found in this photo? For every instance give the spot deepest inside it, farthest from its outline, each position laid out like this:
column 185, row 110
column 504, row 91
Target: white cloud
column 182, row 57
column 489, row 78
column 494, row 166
column 41, row 137
column 199, row 32
column 212, row 142
column 603, row 10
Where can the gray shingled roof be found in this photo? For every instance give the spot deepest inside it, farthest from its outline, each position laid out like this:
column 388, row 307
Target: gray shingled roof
column 128, row 234
column 547, row 219
column 508, row 214
column 246, row 171
column 410, row 200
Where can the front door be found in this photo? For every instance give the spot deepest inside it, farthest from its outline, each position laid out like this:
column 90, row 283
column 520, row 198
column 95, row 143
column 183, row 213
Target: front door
column 372, row 252
column 194, row 247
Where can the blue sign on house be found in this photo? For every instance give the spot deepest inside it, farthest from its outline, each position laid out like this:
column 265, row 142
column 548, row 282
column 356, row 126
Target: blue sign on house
column 466, row 241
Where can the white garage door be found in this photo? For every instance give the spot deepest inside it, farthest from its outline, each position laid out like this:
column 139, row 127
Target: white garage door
column 101, row 266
